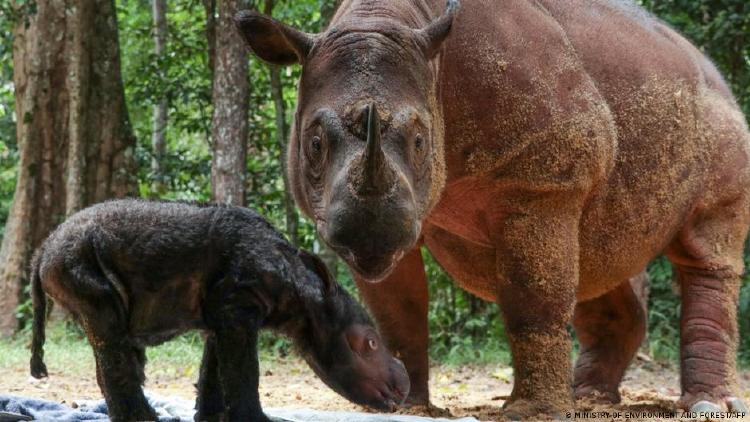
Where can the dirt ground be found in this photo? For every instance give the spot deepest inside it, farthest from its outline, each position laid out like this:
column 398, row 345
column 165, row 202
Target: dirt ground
column 476, row 391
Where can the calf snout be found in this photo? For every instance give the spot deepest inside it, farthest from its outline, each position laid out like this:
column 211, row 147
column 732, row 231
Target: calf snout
column 400, row 384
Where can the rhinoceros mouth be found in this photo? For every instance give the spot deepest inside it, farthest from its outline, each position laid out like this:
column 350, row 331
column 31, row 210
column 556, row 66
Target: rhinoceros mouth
column 372, row 270
column 370, row 267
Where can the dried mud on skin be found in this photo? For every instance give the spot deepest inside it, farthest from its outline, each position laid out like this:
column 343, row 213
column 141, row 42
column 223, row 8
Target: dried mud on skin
column 477, row 391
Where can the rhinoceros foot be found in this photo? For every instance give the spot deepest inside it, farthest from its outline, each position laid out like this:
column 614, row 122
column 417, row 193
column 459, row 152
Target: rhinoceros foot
column 524, row 409
column 701, row 405
column 597, row 393
column 428, row 409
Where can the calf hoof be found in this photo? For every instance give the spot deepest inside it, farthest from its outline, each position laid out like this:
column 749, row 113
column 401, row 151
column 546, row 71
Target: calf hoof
column 38, row 368
column 597, row 394
column 523, row 409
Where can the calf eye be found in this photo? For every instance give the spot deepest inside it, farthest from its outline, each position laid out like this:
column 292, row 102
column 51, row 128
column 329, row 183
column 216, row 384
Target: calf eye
column 418, row 142
column 373, row 344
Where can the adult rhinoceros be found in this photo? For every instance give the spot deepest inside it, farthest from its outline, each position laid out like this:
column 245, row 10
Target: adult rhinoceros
column 544, row 151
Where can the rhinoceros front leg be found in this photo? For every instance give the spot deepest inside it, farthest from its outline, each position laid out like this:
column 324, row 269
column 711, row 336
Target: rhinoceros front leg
column 399, row 305
column 537, row 261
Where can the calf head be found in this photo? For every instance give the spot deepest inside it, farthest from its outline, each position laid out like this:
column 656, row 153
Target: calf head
column 366, row 157
column 345, row 350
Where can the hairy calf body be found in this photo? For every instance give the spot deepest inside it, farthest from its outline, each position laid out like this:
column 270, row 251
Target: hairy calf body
column 137, row 273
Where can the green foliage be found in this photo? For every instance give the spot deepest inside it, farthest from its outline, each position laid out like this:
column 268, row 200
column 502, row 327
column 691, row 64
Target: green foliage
column 744, row 315
column 183, row 77
column 663, row 312
column 463, row 328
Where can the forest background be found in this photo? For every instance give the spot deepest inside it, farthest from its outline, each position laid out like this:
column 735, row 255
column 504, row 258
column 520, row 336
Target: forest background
column 157, row 99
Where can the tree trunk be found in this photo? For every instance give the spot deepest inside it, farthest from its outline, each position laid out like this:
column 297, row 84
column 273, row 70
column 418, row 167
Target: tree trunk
column 210, row 8
column 230, row 99
column 75, row 142
column 282, row 134
column 158, row 137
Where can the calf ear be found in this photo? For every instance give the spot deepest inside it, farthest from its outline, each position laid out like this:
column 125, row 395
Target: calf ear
column 432, row 36
column 316, row 265
column 272, row 40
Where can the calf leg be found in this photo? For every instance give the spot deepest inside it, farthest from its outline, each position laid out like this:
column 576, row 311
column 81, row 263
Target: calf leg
column 119, row 367
column 237, row 356
column 122, row 376
column 119, row 361
column 210, row 402
column 610, row 329
column 708, row 260
column 234, row 323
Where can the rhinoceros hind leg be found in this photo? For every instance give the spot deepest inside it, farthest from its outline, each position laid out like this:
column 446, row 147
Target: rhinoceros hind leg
column 707, row 255
column 610, row 329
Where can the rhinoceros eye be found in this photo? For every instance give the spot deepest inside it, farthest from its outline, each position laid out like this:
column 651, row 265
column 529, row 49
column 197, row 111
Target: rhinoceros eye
column 316, row 144
column 373, row 344
column 419, row 152
column 316, row 152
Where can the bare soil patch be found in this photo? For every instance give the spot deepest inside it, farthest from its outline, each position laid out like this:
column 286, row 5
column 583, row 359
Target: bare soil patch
column 477, row 391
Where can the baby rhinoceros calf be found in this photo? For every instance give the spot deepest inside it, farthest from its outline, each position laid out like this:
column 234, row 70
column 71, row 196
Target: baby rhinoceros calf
column 137, row 273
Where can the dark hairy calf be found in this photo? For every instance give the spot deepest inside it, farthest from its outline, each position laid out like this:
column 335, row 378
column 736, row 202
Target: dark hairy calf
column 137, row 273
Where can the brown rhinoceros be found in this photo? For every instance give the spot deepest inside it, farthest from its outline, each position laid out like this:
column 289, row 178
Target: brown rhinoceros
column 544, row 152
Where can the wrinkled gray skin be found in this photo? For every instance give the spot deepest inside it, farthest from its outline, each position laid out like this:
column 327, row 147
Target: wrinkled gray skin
column 359, row 187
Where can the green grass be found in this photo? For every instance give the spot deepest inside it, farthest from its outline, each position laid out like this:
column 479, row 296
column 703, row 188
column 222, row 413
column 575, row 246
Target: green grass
column 67, row 348
column 458, row 351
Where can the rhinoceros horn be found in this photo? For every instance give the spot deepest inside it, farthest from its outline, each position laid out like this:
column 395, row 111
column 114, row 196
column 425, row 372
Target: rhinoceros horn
column 376, row 174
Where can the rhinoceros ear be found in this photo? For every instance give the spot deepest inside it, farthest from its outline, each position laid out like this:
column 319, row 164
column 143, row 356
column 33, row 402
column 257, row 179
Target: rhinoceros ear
column 432, row 36
column 271, row 40
column 316, row 265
